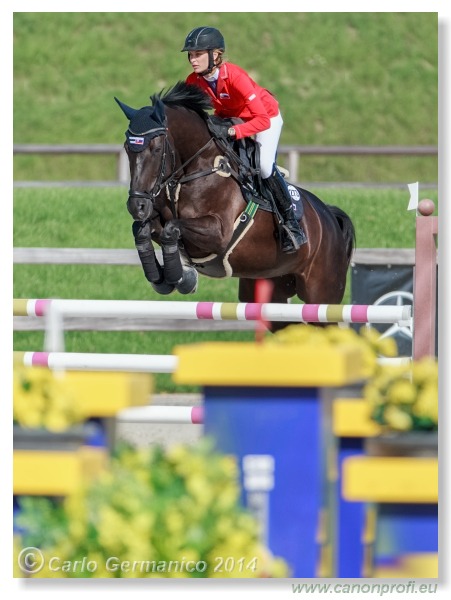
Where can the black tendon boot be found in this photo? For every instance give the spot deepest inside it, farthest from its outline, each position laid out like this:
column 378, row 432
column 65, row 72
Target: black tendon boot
column 293, row 235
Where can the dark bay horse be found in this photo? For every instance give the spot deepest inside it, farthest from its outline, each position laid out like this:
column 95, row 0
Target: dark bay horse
column 184, row 196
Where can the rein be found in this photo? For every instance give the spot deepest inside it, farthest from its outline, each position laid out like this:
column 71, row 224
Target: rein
column 171, row 181
column 173, row 176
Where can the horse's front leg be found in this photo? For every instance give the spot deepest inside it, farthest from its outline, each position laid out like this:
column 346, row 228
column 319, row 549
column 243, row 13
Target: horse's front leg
column 152, row 269
column 202, row 234
column 182, row 277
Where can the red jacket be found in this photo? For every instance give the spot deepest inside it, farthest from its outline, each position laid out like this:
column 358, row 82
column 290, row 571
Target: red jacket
column 237, row 95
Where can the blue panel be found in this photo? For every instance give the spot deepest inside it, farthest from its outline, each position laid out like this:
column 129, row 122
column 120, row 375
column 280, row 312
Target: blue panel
column 283, row 422
column 406, row 528
column 351, row 518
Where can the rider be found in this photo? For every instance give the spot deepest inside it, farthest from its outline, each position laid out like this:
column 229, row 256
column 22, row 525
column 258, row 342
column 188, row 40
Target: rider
column 235, row 94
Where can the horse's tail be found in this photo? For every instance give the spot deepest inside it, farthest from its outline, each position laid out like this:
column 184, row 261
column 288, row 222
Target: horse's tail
column 347, row 228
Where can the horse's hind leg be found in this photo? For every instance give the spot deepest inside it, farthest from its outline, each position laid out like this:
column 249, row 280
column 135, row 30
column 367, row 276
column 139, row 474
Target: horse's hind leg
column 246, row 290
column 283, row 288
column 322, row 286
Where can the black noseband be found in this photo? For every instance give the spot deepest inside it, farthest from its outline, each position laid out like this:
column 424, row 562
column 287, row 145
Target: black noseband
column 138, row 194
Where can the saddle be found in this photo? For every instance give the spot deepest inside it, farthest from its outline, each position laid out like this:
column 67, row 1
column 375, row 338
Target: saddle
column 240, row 160
column 245, row 153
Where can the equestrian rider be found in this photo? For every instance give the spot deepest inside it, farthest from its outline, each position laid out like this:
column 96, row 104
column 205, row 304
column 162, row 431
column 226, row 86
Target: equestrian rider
column 235, row 94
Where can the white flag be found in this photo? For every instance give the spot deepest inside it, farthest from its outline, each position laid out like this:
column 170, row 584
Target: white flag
column 413, row 202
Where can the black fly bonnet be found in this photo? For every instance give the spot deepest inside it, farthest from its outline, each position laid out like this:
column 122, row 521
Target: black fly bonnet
column 145, row 124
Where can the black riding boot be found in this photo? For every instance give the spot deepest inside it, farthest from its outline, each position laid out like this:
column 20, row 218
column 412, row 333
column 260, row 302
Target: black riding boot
column 293, row 235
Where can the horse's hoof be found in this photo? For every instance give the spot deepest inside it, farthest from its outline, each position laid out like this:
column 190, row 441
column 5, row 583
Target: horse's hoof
column 163, row 288
column 188, row 282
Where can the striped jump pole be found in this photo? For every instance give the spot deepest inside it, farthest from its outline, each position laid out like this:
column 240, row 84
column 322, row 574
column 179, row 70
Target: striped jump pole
column 184, row 415
column 146, row 363
column 217, row 311
column 77, row 361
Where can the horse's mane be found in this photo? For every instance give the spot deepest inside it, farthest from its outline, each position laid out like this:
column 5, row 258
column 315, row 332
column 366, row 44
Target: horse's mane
column 185, row 95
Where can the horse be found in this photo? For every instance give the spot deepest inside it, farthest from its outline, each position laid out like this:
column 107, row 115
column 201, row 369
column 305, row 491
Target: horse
column 185, row 195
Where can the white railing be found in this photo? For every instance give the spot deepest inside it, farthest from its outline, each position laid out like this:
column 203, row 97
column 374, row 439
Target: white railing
column 129, row 257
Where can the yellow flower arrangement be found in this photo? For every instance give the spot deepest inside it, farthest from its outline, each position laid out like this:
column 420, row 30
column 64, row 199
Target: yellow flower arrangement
column 153, row 513
column 368, row 340
column 405, row 397
column 42, row 400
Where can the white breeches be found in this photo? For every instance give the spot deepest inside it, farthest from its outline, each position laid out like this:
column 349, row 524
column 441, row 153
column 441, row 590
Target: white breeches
column 269, row 140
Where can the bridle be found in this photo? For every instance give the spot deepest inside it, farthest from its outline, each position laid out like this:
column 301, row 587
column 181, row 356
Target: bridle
column 172, row 180
column 159, row 184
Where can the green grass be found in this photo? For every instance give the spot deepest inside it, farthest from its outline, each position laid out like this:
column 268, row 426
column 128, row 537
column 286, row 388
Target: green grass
column 72, row 218
column 97, row 218
column 340, row 78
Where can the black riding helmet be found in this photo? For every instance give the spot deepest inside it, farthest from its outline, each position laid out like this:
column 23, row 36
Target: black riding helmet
column 205, row 38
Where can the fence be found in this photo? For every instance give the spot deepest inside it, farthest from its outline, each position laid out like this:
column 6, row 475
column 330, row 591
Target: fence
column 117, row 257
column 292, row 153
column 129, row 257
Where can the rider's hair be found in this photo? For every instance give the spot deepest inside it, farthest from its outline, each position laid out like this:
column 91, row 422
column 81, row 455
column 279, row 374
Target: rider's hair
column 220, row 58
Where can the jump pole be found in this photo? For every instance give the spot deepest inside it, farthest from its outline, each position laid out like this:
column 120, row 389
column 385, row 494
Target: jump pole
column 182, row 415
column 77, row 361
column 147, row 363
column 56, row 310
column 216, row 311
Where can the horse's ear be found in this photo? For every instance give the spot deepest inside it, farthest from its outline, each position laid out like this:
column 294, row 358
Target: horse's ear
column 158, row 113
column 128, row 111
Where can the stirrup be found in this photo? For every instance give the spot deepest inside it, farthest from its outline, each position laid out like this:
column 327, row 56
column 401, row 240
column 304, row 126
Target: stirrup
column 289, row 243
column 292, row 239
